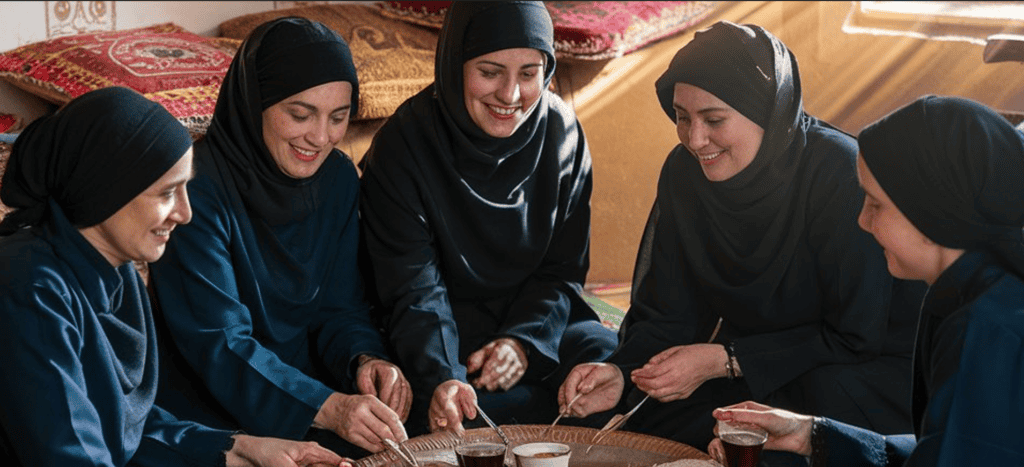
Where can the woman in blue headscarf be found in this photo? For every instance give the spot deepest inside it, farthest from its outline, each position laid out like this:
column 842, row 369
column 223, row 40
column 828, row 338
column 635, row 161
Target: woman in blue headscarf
column 261, row 296
column 96, row 186
column 476, row 201
column 942, row 177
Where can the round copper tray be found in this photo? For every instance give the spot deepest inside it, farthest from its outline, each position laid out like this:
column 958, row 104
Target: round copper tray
column 618, row 448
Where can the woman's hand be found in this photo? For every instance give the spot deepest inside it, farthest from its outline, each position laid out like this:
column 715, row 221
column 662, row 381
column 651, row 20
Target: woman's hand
column 600, row 383
column 676, row 372
column 383, row 379
column 252, row 451
column 501, row 364
column 453, row 401
column 361, row 419
column 787, row 431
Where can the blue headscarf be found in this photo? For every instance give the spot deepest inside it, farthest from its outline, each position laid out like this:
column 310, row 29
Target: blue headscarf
column 954, row 167
column 91, row 157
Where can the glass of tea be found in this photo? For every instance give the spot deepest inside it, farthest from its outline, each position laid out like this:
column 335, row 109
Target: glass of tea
column 742, row 443
column 480, row 455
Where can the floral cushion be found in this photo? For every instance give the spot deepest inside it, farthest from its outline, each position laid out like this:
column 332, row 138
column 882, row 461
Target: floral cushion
column 586, row 30
column 178, row 69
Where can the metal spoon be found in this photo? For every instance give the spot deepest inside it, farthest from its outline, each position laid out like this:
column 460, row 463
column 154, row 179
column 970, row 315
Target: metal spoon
column 501, row 434
column 560, row 415
column 617, row 421
column 403, row 453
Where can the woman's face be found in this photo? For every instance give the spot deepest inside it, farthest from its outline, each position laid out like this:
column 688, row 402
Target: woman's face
column 500, row 89
column 139, row 231
column 722, row 140
column 303, row 129
column 908, row 253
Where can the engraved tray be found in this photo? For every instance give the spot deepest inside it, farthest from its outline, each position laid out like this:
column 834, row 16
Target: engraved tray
column 618, row 448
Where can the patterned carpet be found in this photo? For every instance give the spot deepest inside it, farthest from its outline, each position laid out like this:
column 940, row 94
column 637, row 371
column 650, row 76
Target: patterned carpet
column 610, row 301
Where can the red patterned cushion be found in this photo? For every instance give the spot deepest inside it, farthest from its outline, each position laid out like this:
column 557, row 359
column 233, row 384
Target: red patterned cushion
column 167, row 64
column 7, row 122
column 5, row 153
column 587, row 30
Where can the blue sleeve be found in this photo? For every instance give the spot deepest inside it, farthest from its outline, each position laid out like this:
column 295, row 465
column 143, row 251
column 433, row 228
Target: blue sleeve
column 983, row 426
column 47, row 412
column 169, row 442
column 343, row 327
column 195, row 285
column 54, row 417
column 838, row 444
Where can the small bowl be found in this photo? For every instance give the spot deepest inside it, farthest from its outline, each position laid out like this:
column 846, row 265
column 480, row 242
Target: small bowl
column 542, row 455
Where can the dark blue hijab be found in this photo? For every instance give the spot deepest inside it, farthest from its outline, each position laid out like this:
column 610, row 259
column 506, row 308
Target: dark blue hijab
column 91, row 157
column 955, row 168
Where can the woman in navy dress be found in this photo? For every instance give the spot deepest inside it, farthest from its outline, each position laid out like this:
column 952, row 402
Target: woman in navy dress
column 261, row 296
column 96, row 186
column 944, row 198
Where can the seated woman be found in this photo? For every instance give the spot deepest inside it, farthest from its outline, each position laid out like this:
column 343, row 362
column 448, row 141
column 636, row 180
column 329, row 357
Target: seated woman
column 95, row 186
column 267, row 327
column 753, row 280
column 942, row 177
column 476, row 208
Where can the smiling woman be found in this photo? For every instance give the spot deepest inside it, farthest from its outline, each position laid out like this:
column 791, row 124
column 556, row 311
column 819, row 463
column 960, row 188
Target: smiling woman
column 476, row 201
column 261, row 295
column 95, row 186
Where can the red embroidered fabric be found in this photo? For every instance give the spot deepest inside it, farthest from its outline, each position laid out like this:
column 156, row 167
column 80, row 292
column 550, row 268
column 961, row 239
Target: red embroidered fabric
column 7, row 122
column 167, row 64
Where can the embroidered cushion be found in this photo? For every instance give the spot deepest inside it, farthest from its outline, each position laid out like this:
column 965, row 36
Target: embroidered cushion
column 178, row 69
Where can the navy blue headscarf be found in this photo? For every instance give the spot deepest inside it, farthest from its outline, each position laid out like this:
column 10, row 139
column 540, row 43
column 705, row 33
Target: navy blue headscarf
column 955, row 168
column 91, row 157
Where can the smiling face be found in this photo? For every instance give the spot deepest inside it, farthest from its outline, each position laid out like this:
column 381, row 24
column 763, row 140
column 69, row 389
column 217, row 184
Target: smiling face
column 501, row 88
column 303, row 129
column 139, row 231
column 909, row 254
column 723, row 140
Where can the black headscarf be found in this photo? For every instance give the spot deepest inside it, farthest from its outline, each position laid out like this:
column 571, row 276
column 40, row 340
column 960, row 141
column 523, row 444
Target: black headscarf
column 280, row 58
column 472, row 29
column 91, row 157
column 955, row 168
column 755, row 218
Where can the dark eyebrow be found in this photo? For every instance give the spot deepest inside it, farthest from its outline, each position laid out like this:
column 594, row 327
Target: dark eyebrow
column 499, row 65
column 313, row 108
column 702, row 111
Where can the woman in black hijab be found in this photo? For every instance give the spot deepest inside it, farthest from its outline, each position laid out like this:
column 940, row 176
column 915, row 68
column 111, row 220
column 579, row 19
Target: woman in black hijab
column 753, row 280
column 267, row 327
column 96, row 186
column 476, row 202
column 944, row 198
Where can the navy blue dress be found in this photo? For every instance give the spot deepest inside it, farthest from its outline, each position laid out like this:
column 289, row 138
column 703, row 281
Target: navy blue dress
column 80, row 361
column 968, row 371
column 254, row 345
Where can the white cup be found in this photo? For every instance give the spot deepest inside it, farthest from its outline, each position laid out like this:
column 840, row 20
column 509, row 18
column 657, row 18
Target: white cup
column 542, row 455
